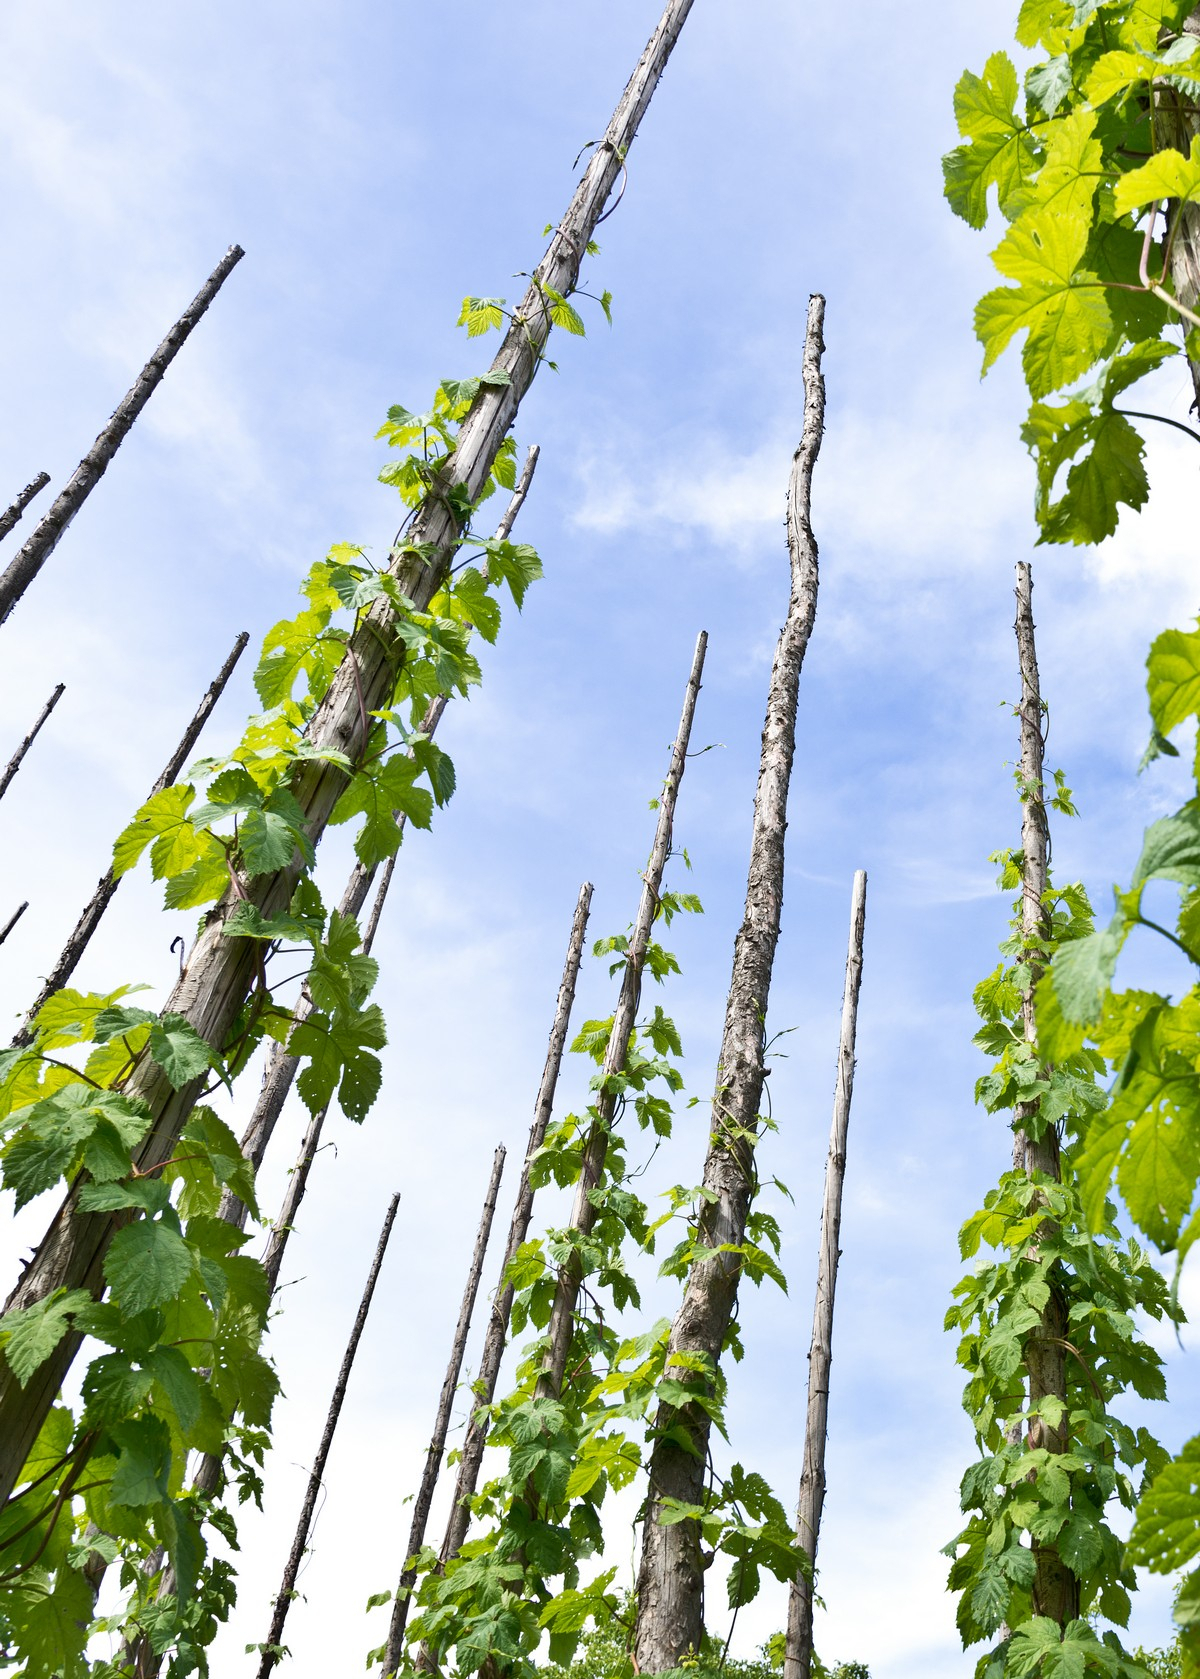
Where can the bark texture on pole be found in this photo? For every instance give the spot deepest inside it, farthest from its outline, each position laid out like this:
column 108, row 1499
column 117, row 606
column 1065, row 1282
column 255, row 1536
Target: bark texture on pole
column 1055, row 1588
column 272, row 1652
column 799, row 1653
column 471, row 1457
column 107, row 885
column 220, row 971
column 29, row 560
column 12, row 920
column 13, row 512
column 584, row 1213
column 670, row 1589
column 14, row 763
column 441, row 1425
column 1176, row 124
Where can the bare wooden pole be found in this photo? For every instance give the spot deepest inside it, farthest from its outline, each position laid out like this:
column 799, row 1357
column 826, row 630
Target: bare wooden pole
column 106, row 888
column 13, row 512
column 219, row 971
column 14, row 763
column 471, row 1456
column 1036, row 1146
column 441, row 1426
column 799, row 1653
column 273, row 1651
column 12, row 920
column 670, row 1577
column 29, row 560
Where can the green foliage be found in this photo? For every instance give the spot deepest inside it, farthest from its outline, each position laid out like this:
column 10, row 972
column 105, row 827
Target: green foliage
column 180, row 1326
column 1088, row 285
column 1037, row 1483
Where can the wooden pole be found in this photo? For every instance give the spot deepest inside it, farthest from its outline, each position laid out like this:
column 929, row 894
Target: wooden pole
column 441, row 1426
column 471, row 1456
column 13, row 512
column 29, row 560
column 272, row 1651
column 1035, row 1149
column 106, row 888
column 12, row 920
column 14, row 763
column 670, row 1588
column 220, row 972
column 799, row 1653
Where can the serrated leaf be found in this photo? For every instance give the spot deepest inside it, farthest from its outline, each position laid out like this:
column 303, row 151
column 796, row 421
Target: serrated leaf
column 179, row 1050
column 1166, row 1529
column 147, row 1264
column 30, row 1335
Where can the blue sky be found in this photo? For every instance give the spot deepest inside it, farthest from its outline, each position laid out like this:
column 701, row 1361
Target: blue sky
column 378, row 162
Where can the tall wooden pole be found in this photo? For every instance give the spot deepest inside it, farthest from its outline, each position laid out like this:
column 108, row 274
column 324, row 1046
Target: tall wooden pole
column 219, row 972
column 273, row 1651
column 799, row 1653
column 670, row 1589
column 441, row 1426
column 471, row 1456
column 1036, row 1149
column 15, row 762
column 13, row 512
column 29, row 560
column 106, row 888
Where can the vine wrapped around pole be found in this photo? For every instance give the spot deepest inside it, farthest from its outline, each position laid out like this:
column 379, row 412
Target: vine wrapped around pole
column 584, row 1210
column 15, row 762
column 471, row 1457
column 1036, row 1145
column 441, row 1426
column 29, row 560
column 799, row 1653
column 670, row 1577
column 220, row 972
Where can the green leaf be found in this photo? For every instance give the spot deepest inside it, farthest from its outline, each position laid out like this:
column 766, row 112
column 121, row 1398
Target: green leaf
column 998, row 151
column 144, row 1464
column 30, row 1335
column 267, row 842
column 162, row 822
column 1173, row 678
column 113, row 1388
column 1171, row 849
column 147, row 1264
column 1080, row 975
column 480, row 315
column 179, row 1050
column 1167, row 175
column 1064, row 309
column 49, row 1618
column 1166, row 1529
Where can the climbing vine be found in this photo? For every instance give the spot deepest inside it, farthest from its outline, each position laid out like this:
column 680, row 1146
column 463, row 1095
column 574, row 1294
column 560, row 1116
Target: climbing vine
column 183, row 1310
column 518, row 1586
column 1095, row 164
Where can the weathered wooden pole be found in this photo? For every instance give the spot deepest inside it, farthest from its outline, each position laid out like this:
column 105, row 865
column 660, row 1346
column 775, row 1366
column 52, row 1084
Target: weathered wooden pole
column 106, row 888
column 281, row 1068
column 272, row 1651
column 12, row 513
column 799, row 1652
column 471, row 1456
column 12, row 920
column 1035, row 1149
column 14, row 763
column 29, row 560
column 219, row 972
column 670, row 1584
column 441, row 1425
